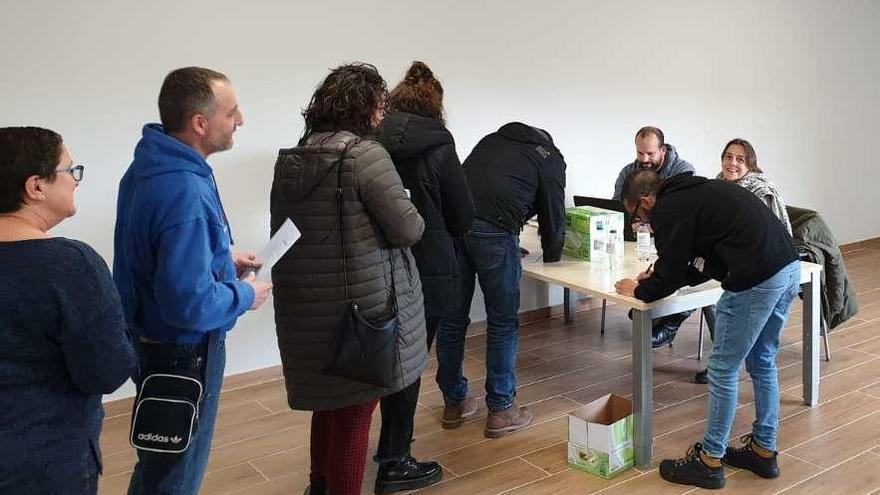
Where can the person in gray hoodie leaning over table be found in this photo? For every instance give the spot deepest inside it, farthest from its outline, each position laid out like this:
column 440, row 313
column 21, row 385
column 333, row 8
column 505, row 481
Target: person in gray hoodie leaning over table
column 654, row 153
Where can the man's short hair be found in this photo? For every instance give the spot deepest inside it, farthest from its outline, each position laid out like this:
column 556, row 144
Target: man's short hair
column 638, row 184
column 185, row 92
column 651, row 131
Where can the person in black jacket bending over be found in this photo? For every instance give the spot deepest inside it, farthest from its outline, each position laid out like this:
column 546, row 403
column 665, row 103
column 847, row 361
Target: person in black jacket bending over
column 713, row 229
column 513, row 173
column 423, row 151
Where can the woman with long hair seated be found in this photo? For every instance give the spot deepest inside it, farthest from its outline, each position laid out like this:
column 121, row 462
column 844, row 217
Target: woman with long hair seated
column 63, row 338
column 340, row 189
column 739, row 164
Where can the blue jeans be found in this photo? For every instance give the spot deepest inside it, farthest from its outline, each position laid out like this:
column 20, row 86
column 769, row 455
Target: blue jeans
column 747, row 328
column 492, row 254
column 181, row 474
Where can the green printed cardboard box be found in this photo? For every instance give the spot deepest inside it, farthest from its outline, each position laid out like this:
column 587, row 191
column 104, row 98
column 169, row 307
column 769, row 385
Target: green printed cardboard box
column 581, row 225
column 600, row 437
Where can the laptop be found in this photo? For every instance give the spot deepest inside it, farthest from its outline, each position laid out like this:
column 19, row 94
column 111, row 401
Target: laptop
column 613, row 205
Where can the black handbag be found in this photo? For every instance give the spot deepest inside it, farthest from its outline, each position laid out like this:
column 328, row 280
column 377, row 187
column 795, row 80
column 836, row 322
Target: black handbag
column 166, row 413
column 365, row 351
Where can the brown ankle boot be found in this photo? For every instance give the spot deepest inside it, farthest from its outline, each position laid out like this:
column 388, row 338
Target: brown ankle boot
column 454, row 415
column 502, row 423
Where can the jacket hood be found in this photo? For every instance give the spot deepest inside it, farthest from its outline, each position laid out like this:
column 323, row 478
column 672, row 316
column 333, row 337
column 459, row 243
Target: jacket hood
column 158, row 153
column 299, row 170
column 517, row 131
column 680, row 182
column 405, row 134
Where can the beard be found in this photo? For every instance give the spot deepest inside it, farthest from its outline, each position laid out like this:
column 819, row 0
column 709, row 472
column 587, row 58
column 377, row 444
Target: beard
column 222, row 143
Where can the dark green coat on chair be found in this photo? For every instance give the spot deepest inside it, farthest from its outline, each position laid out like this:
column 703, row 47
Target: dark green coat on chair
column 814, row 238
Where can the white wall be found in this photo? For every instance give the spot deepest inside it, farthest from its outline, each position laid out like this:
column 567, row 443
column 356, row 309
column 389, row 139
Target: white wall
column 797, row 78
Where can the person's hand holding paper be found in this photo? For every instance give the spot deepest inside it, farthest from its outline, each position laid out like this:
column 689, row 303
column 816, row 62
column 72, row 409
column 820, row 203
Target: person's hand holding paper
column 284, row 238
column 245, row 263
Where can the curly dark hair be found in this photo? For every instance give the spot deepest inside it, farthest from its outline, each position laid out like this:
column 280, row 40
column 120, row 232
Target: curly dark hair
column 346, row 100
column 25, row 152
column 419, row 93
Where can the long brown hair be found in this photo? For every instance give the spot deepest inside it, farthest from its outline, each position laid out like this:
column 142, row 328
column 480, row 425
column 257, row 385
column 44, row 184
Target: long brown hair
column 751, row 156
column 419, row 93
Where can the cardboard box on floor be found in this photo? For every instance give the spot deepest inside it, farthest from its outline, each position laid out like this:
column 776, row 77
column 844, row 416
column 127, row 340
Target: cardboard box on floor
column 600, row 436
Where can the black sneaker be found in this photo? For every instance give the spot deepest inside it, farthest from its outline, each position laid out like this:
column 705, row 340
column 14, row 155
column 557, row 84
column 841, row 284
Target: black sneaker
column 690, row 470
column 702, row 377
column 662, row 334
column 316, row 488
column 746, row 458
column 406, row 474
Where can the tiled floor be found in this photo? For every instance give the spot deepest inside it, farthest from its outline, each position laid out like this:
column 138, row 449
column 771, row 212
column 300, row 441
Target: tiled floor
column 261, row 447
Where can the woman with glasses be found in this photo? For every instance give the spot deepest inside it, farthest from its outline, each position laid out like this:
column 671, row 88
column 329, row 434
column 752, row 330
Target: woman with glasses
column 63, row 339
column 339, row 176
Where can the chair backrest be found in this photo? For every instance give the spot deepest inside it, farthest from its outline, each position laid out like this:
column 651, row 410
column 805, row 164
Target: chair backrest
column 613, row 205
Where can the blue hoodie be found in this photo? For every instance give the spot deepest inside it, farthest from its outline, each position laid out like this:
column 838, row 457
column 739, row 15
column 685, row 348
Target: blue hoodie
column 172, row 260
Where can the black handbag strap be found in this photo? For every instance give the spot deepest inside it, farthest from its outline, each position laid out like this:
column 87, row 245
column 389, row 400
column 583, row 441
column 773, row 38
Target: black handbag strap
column 339, row 202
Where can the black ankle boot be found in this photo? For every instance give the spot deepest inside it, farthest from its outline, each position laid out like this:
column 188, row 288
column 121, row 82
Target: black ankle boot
column 316, row 488
column 746, row 458
column 406, row 474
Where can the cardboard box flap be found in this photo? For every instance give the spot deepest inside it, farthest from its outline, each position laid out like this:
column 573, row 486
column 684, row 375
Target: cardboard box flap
column 605, row 411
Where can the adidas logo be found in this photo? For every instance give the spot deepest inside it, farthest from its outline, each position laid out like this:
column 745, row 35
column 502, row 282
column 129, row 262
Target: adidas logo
column 152, row 437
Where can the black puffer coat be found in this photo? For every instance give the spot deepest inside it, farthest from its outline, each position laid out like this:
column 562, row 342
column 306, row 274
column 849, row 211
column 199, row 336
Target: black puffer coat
column 424, row 155
column 379, row 222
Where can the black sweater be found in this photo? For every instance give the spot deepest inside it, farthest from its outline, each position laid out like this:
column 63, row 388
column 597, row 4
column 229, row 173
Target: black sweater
column 518, row 172
column 740, row 240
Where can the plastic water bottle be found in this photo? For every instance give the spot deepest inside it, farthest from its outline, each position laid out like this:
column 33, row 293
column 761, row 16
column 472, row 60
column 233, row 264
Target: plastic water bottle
column 615, row 249
column 643, row 242
column 599, row 254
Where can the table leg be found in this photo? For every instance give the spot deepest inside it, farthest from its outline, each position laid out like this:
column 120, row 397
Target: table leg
column 568, row 296
column 812, row 312
column 643, row 393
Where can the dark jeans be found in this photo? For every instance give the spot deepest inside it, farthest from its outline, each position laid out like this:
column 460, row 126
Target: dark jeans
column 492, row 254
column 398, row 411
column 399, row 408
column 181, row 474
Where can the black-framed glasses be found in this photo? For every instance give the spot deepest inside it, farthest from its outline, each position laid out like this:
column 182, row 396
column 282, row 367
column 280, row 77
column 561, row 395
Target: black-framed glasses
column 75, row 171
column 635, row 213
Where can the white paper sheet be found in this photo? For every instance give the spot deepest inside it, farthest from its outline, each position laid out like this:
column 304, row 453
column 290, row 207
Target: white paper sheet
column 283, row 239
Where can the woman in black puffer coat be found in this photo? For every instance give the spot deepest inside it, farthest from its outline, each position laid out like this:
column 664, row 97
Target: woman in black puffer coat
column 423, row 153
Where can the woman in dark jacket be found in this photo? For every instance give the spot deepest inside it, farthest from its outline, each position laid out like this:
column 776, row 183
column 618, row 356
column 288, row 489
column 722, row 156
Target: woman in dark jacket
column 315, row 279
column 63, row 339
column 424, row 155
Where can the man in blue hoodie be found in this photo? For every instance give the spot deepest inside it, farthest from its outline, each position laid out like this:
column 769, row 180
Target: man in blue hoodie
column 173, row 264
